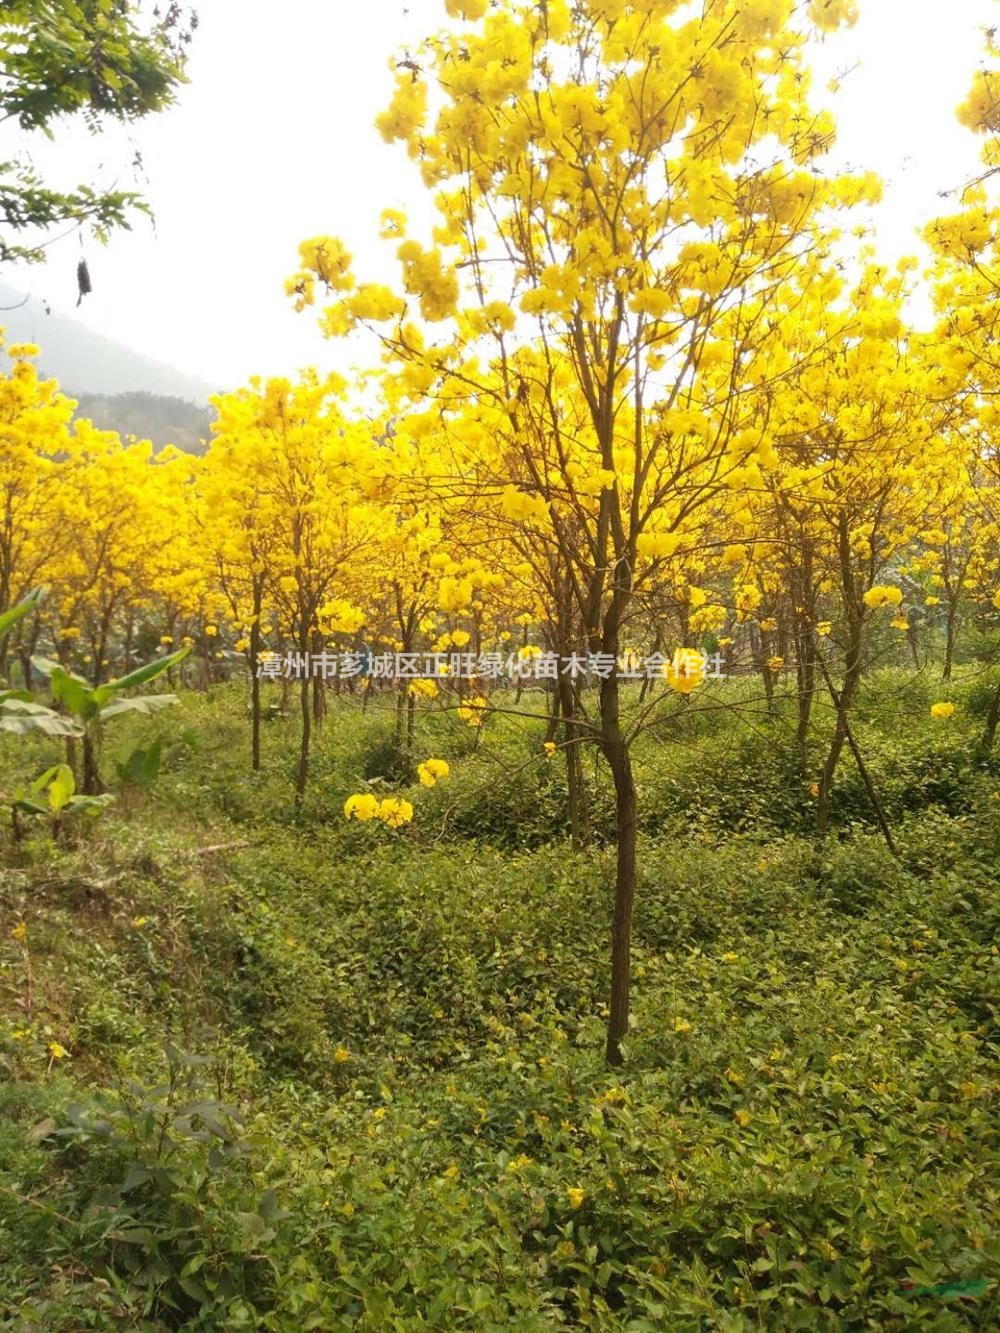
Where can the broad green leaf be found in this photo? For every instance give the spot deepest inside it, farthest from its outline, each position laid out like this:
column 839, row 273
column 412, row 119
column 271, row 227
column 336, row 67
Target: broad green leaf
column 61, row 788
column 41, row 782
column 89, row 805
column 141, row 675
column 26, row 807
column 146, row 703
column 20, row 718
column 142, row 767
column 44, row 665
column 28, row 604
column 77, row 696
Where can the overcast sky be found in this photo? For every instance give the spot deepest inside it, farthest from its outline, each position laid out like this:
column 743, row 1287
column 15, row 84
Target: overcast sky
column 273, row 141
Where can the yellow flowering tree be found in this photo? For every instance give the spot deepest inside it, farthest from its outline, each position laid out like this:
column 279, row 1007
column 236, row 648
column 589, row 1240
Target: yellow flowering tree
column 664, row 181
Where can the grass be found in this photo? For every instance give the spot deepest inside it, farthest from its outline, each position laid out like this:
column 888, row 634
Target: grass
column 328, row 1075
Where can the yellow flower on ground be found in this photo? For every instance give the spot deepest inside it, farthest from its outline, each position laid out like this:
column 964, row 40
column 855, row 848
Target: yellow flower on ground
column 341, row 1055
column 942, row 710
column 363, row 806
column 473, row 711
column 550, row 748
column 932, row 601
column 576, row 1196
column 431, row 771
column 394, row 812
column 56, row 1051
column 19, row 932
column 743, row 1118
column 139, row 921
column 681, row 1025
column 166, row 640
column 883, row 595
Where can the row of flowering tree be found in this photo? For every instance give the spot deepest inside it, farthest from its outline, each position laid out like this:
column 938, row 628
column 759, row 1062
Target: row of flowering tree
column 630, row 397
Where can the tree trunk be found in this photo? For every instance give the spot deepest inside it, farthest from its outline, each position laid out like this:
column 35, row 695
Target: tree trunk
column 303, row 770
column 401, row 692
column 254, row 696
column 576, row 787
column 615, row 751
column 319, row 685
column 843, row 702
column 951, row 634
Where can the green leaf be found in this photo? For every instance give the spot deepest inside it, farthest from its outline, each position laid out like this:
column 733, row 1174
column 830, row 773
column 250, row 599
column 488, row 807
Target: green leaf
column 26, row 605
column 21, row 717
column 141, row 675
column 142, row 766
column 41, row 782
column 75, row 694
column 61, row 788
column 145, row 703
column 27, row 807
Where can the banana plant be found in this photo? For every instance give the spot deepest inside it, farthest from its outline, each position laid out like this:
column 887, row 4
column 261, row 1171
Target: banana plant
column 57, row 786
column 142, row 767
column 93, row 705
column 20, row 712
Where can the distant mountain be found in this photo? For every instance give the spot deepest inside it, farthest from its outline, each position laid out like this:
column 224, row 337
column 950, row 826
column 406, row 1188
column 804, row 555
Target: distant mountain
column 86, row 363
column 149, row 416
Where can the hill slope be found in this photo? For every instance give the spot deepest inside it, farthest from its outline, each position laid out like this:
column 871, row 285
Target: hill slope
column 87, row 363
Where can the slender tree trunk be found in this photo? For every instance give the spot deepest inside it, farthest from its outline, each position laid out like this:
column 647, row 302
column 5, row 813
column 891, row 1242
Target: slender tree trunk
column 842, row 702
column 866, row 777
column 319, row 685
column 951, row 634
column 302, row 774
column 129, row 633
column 911, row 639
column 255, row 695
column 806, row 670
column 616, row 752
column 579, row 813
column 555, row 710
column 401, row 693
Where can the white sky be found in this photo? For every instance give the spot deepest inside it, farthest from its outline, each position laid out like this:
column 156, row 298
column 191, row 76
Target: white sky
column 273, row 140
